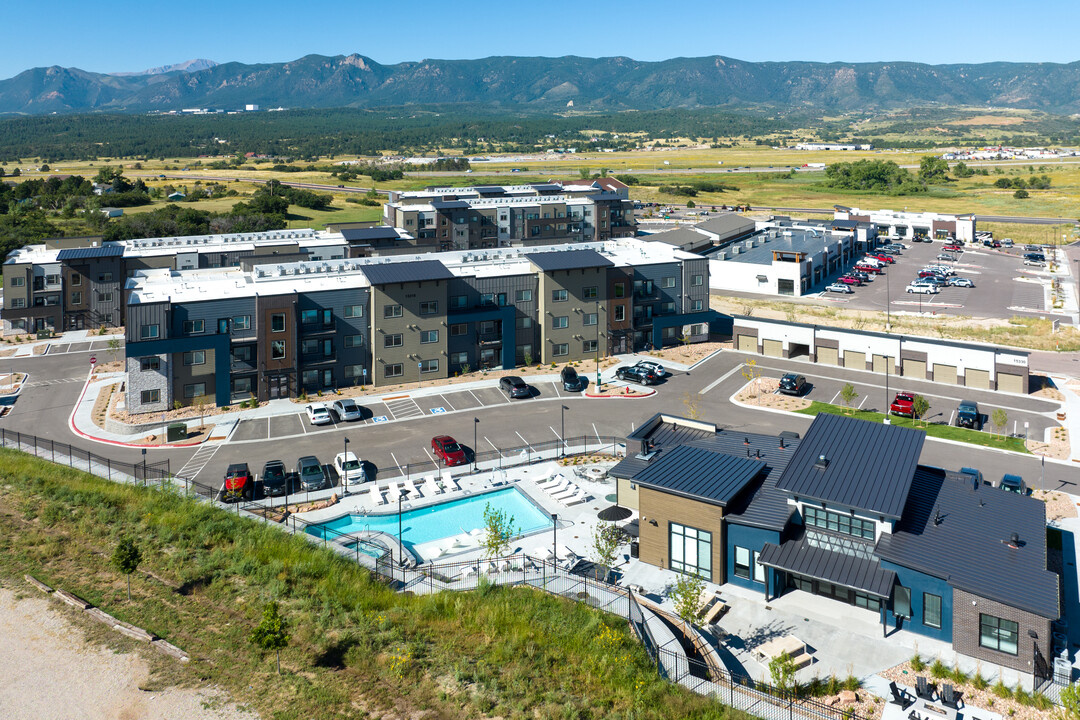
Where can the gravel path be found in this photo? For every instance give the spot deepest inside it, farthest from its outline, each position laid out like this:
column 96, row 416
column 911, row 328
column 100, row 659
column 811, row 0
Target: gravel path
column 47, row 671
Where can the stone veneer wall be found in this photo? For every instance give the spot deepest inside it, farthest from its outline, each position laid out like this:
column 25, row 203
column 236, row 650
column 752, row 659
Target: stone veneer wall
column 137, row 381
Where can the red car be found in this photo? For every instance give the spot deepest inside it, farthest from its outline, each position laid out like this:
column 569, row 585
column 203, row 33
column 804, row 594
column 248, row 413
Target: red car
column 869, row 269
column 884, row 258
column 238, row 485
column 903, row 404
column 953, row 248
column 849, row 280
column 447, row 450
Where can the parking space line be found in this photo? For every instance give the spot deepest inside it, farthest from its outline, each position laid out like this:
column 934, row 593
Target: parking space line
column 523, row 440
column 863, row 401
column 301, row 419
column 597, row 432
column 430, row 457
column 556, row 386
column 476, row 398
column 396, row 463
column 447, row 402
column 720, row 379
column 493, row 446
column 833, row 401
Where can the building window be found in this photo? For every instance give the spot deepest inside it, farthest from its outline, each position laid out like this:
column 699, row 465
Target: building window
column 759, row 569
column 194, row 327
column 354, row 371
column 149, row 332
column 328, row 378
column 560, row 349
column 589, row 293
column 487, row 299
column 393, row 370
column 459, row 330
column 998, row 634
column 667, row 308
column 742, row 562
column 559, row 295
column 18, row 282
column 524, row 323
column 691, row 551
column 560, row 321
column 354, row 341
column 837, row 522
column 620, row 313
column 392, row 311
column 76, row 279
column 429, row 307
column 429, row 336
column 17, row 303
column 392, row 341
column 697, row 305
column 459, row 302
column 241, row 322
column 667, row 283
column 147, row 364
column 309, row 317
column 104, row 297
column 277, row 322
column 309, row 378
column 697, row 280
column 241, row 385
column 150, row 396
column 195, row 357
column 589, row 319
column 277, row 350
column 76, row 298
column 523, row 296
column 429, row 366
column 309, row 347
column 354, row 311
column 588, row 346
column 105, row 277
column 459, row 358
column 620, row 290
column 194, row 390
column 931, row 610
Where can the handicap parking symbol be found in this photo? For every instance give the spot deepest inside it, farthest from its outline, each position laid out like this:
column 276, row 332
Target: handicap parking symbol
column 438, row 411
column 380, row 419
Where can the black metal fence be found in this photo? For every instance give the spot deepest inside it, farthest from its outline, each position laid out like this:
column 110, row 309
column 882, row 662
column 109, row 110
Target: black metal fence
column 64, row 454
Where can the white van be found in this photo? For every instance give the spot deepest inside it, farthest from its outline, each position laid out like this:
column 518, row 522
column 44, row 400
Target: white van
column 872, row 262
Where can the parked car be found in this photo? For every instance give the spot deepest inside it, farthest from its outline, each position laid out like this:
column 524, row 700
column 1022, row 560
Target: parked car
column 865, row 277
column 1014, row 484
column 975, row 474
column 839, row 288
column 943, row 269
column 946, row 256
column 350, row 468
column 792, row 384
column 872, row 261
column 310, row 470
column 318, row 415
column 347, row 410
column 1035, row 263
column 1035, row 256
column 571, row 381
column 886, row 250
column 514, row 387
column 640, row 375
column 238, row 484
column 968, row 415
column 923, row 288
column 953, row 247
column 931, row 281
column 657, row 369
column 897, row 246
column 903, row 404
column 448, row 450
column 849, row 280
column 869, row 269
column 1007, row 242
column 961, row 282
column 275, row 479
column 887, row 259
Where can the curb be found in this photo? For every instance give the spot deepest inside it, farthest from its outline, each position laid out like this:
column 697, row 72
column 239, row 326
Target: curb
column 648, row 392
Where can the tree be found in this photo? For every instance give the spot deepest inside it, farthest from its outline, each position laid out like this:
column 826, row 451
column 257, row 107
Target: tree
column 919, row 406
column 751, row 372
column 1070, row 702
column 687, row 596
column 690, row 205
column 499, row 529
column 848, row 395
column 961, row 170
column 45, row 168
column 933, row 169
column 126, row 558
column 114, row 347
column 1000, row 420
column 691, row 403
column 272, row 633
column 782, row 670
column 606, row 539
column 1021, row 194
column 200, row 404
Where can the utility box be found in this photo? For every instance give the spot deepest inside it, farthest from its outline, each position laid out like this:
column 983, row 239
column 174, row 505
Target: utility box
column 634, row 551
column 176, row 432
column 1062, row 671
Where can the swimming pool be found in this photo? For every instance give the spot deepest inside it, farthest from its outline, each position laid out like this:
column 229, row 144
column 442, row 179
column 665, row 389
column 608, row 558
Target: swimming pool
column 442, row 520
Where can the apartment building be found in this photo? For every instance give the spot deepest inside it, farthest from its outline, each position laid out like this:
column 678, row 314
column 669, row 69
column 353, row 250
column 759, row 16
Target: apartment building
column 279, row 329
column 77, row 283
column 493, row 216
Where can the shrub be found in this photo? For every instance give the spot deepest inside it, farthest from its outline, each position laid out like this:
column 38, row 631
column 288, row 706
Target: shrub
column 1001, row 690
column 939, row 670
column 1022, row 696
column 917, row 663
column 958, row 676
column 979, row 682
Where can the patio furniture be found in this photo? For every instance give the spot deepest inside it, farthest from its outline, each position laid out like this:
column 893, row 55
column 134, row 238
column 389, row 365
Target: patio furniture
column 545, row 476
column 376, row 495
column 714, row 608
column 430, row 486
column 558, row 487
column 552, row 482
column 413, row 493
column 544, row 553
column 568, row 557
column 924, row 689
column 793, row 646
column 949, row 696
column 449, row 482
column 577, row 499
column 392, row 492
column 468, row 571
column 900, row 697
column 565, row 493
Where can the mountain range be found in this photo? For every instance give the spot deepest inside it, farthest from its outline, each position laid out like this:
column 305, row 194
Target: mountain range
column 186, row 66
column 544, row 84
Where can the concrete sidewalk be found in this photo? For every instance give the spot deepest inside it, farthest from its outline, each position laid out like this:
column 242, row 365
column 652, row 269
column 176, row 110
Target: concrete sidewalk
column 63, row 340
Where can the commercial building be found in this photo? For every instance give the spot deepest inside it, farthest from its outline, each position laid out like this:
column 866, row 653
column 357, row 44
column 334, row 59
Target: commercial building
column 281, row 328
column 848, row 513
column 936, row 226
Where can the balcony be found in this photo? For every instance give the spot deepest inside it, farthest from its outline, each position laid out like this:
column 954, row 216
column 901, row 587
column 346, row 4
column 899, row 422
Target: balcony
column 241, row 366
column 317, row 358
column 318, row 328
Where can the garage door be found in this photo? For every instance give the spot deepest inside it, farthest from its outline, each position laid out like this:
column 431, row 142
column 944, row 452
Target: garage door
column 854, row 360
column 977, row 379
column 1008, row 382
column 828, row 356
column 915, row 369
column 773, row 348
column 883, row 364
column 945, row 373
column 748, row 343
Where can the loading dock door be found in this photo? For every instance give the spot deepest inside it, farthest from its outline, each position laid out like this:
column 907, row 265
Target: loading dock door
column 1008, row 382
column 828, row 356
column 748, row 343
column 915, row 369
column 854, row 360
column 883, row 364
column 977, row 379
column 772, row 348
column 945, row 374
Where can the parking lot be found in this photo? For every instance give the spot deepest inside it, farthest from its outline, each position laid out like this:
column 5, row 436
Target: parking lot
column 997, row 291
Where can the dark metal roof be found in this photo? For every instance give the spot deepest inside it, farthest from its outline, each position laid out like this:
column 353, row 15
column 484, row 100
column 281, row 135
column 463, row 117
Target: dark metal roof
column 402, row 272
column 384, row 232
column 547, row 187
column 700, row 473
column 682, row 238
column 449, row 204
column 844, row 224
column 958, row 531
column 568, row 260
column 869, row 465
column 105, row 251
column 490, row 189
column 808, row 556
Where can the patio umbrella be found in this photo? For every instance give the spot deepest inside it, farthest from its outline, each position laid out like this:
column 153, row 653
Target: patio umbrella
column 614, row 513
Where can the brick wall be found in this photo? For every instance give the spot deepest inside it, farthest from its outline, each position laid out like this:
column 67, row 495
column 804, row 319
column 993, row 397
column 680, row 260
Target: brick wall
column 966, row 632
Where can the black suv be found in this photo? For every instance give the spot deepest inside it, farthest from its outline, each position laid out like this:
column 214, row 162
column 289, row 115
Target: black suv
column 571, row 381
column 638, row 374
column 967, row 415
column 275, row 479
column 792, row 384
column 514, row 387
column 1036, row 256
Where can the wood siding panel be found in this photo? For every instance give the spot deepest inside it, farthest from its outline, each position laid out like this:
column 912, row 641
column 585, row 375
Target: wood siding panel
column 664, row 509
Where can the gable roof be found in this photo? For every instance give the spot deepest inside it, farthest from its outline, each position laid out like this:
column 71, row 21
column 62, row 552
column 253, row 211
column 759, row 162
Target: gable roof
column 700, row 473
column 402, row 272
column 869, row 465
column 568, row 260
column 958, row 530
column 105, row 251
column 382, row 232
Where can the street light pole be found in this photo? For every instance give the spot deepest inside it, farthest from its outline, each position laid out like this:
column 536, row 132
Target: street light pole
column 345, row 469
column 562, row 430
column 888, row 303
column 476, row 422
column 401, row 543
column 554, row 535
column 598, row 388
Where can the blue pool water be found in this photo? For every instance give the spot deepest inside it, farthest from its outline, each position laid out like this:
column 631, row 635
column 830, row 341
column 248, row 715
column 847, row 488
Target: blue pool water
column 443, row 520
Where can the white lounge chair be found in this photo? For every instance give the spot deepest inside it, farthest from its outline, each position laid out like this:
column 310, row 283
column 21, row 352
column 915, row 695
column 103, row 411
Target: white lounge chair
column 468, row 571
column 568, row 557
column 545, row 476
column 413, row 492
column 392, row 492
column 516, row 563
column 553, row 482
column 559, row 487
column 430, row 486
column 577, row 499
column 570, row 490
column 450, row 482
column 544, row 553
column 376, row 495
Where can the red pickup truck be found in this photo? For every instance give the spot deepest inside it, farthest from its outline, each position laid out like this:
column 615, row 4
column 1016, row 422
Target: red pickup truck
column 903, row 404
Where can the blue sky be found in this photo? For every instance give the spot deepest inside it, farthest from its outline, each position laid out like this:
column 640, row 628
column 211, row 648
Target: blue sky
column 128, row 36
